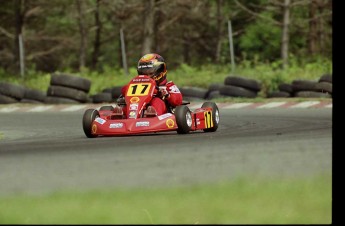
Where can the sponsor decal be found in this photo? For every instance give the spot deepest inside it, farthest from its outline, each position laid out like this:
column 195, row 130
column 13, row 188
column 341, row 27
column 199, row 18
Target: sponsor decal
column 94, row 129
column 144, row 123
column 167, row 115
column 134, row 100
column 116, row 125
column 141, row 80
column 133, row 107
column 146, row 66
column 174, row 89
column 132, row 114
column 208, row 119
column 100, row 120
column 170, row 123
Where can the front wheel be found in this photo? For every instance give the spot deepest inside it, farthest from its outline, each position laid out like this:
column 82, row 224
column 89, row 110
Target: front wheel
column 183, row 119
column 214, row 116
column 89, row 116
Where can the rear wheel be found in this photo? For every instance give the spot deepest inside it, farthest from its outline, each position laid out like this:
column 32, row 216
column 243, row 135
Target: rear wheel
column 89, row 116
column 214, row 116
column 183, row 119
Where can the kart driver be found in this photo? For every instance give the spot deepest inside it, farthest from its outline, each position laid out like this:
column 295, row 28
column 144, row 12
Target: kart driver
column 155, row 67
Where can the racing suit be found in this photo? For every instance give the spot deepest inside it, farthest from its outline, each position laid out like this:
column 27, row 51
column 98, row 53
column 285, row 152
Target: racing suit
column 169, row 90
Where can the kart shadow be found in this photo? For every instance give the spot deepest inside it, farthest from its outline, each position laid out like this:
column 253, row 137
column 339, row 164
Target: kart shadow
column 169, row 133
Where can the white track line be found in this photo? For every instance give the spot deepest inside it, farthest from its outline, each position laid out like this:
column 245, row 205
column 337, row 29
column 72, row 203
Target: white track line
column 9, row 109
column 238, row 105
column 40, row 108
column 272, row 105
column 73, row 108
column 305, row 104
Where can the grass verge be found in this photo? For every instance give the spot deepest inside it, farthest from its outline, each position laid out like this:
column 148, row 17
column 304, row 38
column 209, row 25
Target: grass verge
column 242, row 201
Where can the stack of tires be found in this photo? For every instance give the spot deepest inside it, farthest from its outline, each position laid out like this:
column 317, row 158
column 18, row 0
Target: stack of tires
column 33, row 96
column 67, row 89
column 284, row 90
column 305, row 88
column 213, row 91
column 108, row 95
column 236, row 86
column 13, row 93
column 191, row 93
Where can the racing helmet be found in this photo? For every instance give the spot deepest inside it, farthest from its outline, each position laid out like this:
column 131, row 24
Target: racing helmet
column 153, row 65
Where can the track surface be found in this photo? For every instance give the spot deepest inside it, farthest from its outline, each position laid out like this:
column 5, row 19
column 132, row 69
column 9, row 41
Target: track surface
column 45, row 152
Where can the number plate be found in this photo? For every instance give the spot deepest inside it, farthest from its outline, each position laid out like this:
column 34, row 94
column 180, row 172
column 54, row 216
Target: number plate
column 141, row 89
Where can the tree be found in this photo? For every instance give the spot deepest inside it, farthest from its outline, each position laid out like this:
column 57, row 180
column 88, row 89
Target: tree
column 149, row 23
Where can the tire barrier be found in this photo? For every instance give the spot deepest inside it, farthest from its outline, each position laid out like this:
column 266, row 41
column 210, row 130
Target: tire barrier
column 102, row 98
column 235, row 86
column 322, row 88
column 70, row 89
column 71, row 81
column 191, row 93
column 11, row 93
column 66, row 88
column 33, row 96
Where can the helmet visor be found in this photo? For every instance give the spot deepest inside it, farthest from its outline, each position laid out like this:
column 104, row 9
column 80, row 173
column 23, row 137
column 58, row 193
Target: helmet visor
column 146, row 69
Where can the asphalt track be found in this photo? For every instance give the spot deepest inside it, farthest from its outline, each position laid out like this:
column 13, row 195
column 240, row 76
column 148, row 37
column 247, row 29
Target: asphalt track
column 48, row 151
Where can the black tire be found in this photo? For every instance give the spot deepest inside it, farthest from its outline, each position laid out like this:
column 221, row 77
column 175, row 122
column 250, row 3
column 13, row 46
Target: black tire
column 34, row 94
column 235, row 91
column 75, row 82
column 106, row 108
column 215, row 116
column 326, row 78
column 246, row 83
column 324, row 87
column 275, row 94
column 303, row 85
column 7, row 100
column 214, row 87
column 285, row 87
column 312, row 94
column 116, row 91
column 12, row 90
column 102, row 98
column 183, row 119
column 88, row 117
column 31, row 101
column 194, row 92
column 71, row 93
column 214, row 94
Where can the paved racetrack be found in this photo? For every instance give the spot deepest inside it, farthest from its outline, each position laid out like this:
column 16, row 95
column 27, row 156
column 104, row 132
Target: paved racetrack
column 45, row 152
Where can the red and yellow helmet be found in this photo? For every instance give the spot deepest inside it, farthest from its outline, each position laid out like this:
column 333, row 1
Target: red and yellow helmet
column 153, row 65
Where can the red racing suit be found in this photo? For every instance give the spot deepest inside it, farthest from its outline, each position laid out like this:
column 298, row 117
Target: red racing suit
column 174, row 97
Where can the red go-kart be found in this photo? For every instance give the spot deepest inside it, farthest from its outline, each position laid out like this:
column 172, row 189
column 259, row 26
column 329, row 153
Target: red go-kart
column 106, row 122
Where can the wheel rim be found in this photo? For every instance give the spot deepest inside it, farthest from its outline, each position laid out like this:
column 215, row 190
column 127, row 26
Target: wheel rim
column 189, row 119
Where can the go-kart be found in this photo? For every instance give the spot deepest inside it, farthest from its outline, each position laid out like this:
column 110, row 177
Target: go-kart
column 141, row 89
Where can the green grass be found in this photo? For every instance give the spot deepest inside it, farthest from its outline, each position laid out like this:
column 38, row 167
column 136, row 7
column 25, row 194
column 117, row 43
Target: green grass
column 242, row 201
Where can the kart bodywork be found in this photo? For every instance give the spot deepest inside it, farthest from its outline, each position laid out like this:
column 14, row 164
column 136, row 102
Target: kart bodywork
column 106, row 122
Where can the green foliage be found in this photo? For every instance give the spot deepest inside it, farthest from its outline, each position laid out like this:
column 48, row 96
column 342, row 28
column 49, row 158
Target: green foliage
column 261, row 39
